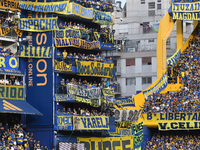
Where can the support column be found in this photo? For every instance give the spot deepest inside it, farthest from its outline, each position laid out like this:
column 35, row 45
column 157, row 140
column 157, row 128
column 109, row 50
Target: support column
column 179, row 34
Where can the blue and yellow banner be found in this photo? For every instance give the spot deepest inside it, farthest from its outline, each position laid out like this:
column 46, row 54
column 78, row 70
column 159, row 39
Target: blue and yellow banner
column 37, row 24
column 76, row 42
column 68, row 32
column 12, row 92
column 171, row 117
column 103, row 18
column 161, row 85
column 108, row 92
column 91, row 122
column 186, row 11
column 36, row 52
column 98, row 69
column 63, row 7
column 174, row 59
column 62, row 66
column 8, row 62
column 4, row 31
column 176, row 125
column 10, row 4
column 122, row 129
column 64, row 122
column 125, row 102
column 107, row 143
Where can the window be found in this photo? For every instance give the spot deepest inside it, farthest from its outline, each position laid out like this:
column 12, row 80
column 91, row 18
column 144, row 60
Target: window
column 151, row 12
column 159, row 0
column 142, row 1
column 130, row 81
column 152, row 5
column 159, row 6
column 146, row 80
column 146, row 61
column 130, row 62
column 151, row 40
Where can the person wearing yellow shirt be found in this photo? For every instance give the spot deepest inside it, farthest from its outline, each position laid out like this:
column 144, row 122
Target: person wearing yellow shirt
column 183, row 75
column 64, row 54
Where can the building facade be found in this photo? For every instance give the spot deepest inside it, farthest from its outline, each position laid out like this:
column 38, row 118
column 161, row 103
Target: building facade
column 137, row 25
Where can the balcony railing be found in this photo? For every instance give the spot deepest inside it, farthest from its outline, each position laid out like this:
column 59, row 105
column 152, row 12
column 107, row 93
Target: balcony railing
column 8, row 33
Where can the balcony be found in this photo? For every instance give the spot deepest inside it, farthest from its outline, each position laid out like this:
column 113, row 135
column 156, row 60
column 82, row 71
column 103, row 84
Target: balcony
column 8, row 34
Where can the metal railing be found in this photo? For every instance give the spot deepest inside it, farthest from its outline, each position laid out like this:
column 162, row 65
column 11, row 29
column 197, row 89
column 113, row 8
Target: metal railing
column 11, row 33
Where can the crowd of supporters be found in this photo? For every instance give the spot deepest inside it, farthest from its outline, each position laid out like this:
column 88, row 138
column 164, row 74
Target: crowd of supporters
column 96, row 4
column 7, row 21
column 7, row 52
column 187, row 99
column 15, row 138
column 173, row 142
column 85, row 84
column 88, row 33
column 72, row 57
column 11, row 81
column 84, row 112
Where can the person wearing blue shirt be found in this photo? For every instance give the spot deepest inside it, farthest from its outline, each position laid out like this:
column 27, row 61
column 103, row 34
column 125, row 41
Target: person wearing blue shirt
column 107, row 83
column 58, row 54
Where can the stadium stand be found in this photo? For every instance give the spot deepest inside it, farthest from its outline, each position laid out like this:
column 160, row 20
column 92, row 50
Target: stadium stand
column 187, row 99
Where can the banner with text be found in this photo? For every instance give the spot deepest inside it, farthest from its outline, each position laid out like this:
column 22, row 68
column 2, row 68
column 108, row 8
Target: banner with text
column 64, row 123
column 122, row 129
column 171, row 117
column 8, row 62
column 36, row 52
column 125, row 102
column 174, row 59
column 10, row 4
column 127, row 115
column 62, row 66
column 191, row 125
column 4, row 31
column 98, row 69
column 12, row 92
column 161, row 85
column 37, row 24
column 103, row 18
column 91, row 122
column 186, row 11
column 107, row 143
column 64, row 8
column 76, row 42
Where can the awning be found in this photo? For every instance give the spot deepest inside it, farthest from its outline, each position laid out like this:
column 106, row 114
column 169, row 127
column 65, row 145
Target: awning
column 17, row 106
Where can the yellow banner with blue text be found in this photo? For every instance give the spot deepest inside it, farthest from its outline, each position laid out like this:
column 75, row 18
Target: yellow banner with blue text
column 36, row 52
column 12, row 92
column 174, row 59
column 37, row 24
column 10, row 4
column 167, row 117
column 186, row 11
column 107, row 143
column 108, row 92
column 76, row 42
column 4, row 31
column 63, row 7
column 62, row 66
column 91, row 68
column 175, row 125
column 90, row 122
column 103, row 18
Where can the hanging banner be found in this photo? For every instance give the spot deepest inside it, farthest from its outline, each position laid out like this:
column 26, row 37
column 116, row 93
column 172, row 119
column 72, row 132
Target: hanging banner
column 8, row 62
column 67, row 97
column 64, row 122
column 18, row 32
column 127, row 115
column 91, row 122
column 108, row 143
column 174, row 59
column 191, row 125
column 161, row 85
column 137, row 128
column 171, row 117
column 103, row 18
column 68, row 32
column 125, row 102
column 12, row 92
column 4, row 31
column 10, row 4
column 121, row 132
column 36, row 52
column 37, row 24
column 186, row 11
column 98, row 69
column 62, row 66
column 76, row 42
column 64, row 8
column 108, row 92
column 138, row 139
